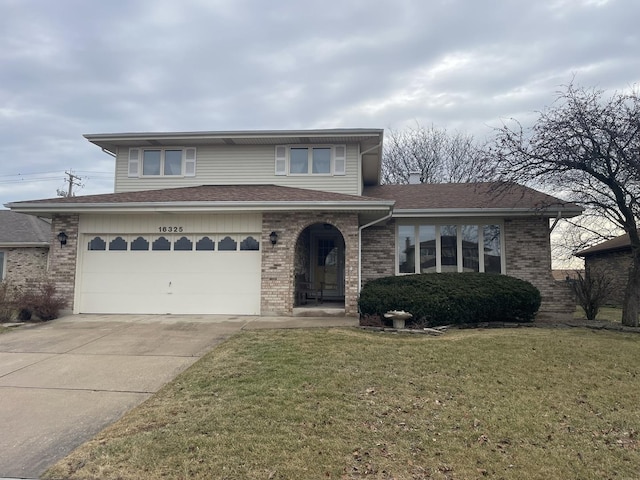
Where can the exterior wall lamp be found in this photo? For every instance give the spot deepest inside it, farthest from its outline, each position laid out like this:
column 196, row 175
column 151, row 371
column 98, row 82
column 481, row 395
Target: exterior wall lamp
column 62, row 237
column 274, row 238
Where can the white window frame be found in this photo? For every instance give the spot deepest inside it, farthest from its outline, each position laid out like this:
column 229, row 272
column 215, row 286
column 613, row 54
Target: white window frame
column 3, row 265
column 337, row 162
column 187, row 164
column 480, row 223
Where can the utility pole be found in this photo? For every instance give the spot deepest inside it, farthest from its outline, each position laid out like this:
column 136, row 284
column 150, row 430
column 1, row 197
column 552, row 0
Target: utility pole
column 73, row 180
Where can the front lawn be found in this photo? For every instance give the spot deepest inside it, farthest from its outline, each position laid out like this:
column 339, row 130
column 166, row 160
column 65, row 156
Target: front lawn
column 348, row 404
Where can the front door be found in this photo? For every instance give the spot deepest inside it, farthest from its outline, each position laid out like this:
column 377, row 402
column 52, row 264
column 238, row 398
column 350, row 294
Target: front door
column 328, row 265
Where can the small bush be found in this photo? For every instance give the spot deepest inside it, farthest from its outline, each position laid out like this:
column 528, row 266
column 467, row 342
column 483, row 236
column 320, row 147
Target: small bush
column 42, row 300
column 592, row 290
column 7, row 296
column 452, row 298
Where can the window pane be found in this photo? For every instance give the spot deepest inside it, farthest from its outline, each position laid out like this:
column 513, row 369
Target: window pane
column 161, row 243
column 97, row 243
column 299, row 160
column 205, row 243
column 173, row 162
column 1, row 265
column 406, row 249
column 321, row 160
column 151, row 162
column 183, row 244
column 470, row 255
column 227, row 244
column 140, row 243
column 449, row 248
column 249, row 243
column 118, row 243
column 427, row 248
column 492, row 253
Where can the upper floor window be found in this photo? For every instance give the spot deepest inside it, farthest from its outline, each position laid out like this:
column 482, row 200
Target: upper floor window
column 311, row 160
column 162, row 162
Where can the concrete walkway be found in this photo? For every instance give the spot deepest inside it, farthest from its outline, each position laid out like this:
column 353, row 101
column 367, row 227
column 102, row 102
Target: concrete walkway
column 63, row 381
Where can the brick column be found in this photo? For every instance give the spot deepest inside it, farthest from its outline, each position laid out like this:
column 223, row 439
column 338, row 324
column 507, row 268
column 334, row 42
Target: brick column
column 63, row 258
column 527, row 252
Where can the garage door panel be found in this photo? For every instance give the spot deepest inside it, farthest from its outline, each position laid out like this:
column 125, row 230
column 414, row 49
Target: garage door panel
column 197, row 282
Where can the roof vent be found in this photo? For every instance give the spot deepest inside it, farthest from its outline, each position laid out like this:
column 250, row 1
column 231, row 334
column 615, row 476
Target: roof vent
column 414, row 178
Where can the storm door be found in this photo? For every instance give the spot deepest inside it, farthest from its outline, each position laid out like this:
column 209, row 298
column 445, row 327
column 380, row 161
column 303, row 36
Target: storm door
column 327, row 264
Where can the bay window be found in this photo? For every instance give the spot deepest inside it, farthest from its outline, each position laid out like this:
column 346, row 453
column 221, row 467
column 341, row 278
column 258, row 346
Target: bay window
column 449, row 248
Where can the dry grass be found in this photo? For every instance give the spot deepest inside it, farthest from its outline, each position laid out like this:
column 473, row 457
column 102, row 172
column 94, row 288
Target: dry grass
column 347, row 404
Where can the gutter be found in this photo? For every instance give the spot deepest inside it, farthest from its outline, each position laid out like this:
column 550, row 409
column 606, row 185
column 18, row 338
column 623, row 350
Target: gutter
column 360, row 229
column 191, row 207
column 483, row 212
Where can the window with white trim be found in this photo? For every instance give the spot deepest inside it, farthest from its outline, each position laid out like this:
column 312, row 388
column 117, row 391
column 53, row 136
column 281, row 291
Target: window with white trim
column 310, row 160
column 162, row 162
column 425, row 248
column 2, row 265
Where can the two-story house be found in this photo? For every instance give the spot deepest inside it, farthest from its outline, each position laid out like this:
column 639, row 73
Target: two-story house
column 235, row 222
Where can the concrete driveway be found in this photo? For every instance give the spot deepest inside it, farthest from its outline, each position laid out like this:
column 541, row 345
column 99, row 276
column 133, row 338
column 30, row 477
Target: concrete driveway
column 63, row 381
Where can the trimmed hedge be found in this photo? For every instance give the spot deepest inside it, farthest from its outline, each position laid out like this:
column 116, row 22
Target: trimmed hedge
column 452, row 298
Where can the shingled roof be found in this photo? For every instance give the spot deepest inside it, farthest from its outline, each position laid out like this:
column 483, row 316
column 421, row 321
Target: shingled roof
column 615, row 244
column 471, row 196
column 432, row 199
column 21, row 229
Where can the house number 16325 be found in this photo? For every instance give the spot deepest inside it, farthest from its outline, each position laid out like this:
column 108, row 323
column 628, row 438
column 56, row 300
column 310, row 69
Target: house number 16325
column 170, row 229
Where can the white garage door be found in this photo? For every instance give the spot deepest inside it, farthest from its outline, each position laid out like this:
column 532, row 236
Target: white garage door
column 170, row 273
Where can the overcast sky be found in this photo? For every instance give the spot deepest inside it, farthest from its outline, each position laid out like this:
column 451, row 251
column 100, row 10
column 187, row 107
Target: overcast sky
column 69, row 67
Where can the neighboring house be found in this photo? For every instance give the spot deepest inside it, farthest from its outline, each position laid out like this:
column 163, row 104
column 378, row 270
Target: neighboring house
column 612, row 258
column 235, row 222
column 24, row 247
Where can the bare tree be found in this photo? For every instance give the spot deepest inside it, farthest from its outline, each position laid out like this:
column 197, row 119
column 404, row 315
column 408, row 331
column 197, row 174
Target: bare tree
column 592, row 290
column 586, row 147
column 438, row 156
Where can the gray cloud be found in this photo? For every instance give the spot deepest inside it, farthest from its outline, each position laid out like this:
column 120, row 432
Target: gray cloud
column 71, row 67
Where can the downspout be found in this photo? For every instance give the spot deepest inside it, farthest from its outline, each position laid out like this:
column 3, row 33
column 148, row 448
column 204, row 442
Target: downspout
column 382, row 219
column 360, row 154
column 555, row 222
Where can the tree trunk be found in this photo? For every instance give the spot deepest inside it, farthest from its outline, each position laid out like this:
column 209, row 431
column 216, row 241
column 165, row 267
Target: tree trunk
column 630, row 309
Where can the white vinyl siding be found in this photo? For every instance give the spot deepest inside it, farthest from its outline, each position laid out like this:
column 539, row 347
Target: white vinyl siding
column 241, row 165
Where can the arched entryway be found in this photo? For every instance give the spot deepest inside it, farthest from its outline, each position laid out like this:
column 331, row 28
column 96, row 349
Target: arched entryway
column 320, row 266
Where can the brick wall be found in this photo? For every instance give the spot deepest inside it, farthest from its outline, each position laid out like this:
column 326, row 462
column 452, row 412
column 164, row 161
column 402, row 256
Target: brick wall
column 528, row 257
column 62, row 262
column 378, row 256
column 616, row 265
column 278, row 261
column 25, row 264
column 527, row 252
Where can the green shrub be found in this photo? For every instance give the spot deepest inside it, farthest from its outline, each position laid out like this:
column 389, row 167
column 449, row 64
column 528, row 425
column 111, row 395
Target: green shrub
column 452, row 298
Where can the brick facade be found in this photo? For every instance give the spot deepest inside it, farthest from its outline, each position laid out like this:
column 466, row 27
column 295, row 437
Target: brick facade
column 527, row 252
column 62, row 263
column 25, row 264
column 378, row 256
column 616, row 266
column 279, row 261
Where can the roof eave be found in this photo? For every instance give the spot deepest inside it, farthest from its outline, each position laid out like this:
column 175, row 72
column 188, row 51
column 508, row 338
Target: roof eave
column 47, row 209
column 487, row 212
column 23, row 244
